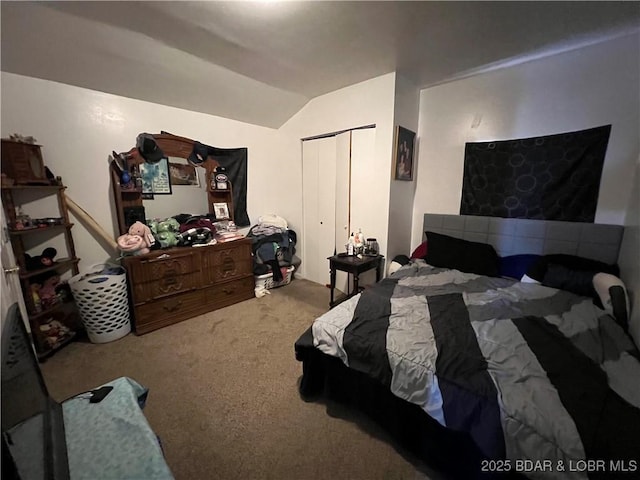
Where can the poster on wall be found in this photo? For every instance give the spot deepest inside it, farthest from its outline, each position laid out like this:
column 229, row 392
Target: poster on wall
column 553, row 177
column 403, row 153
column 155, row 178
column 182, row 174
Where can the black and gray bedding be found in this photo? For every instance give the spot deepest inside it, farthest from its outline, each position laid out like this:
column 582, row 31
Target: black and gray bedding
column 529, row 372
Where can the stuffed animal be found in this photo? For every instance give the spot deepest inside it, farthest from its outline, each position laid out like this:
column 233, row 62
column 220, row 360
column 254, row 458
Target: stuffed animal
column 167, row 232
column 41, row 261
column 137, row 241
column 47, row 292
column 140, row 229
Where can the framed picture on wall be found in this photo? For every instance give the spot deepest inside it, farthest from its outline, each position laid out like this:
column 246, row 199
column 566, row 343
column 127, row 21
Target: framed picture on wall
column 183, row 174
column 155, row 178
column 403, row 154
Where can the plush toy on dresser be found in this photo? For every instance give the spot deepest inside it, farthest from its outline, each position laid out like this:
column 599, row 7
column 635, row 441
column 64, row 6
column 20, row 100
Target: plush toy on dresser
column 137, row 241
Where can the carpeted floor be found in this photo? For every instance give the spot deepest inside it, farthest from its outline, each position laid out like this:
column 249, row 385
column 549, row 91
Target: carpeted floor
column 223, row 395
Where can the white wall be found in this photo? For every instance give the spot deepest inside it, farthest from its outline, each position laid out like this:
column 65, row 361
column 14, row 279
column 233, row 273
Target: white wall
column 366, row 103
column 585, row 88
column 79, row 128
column 629, row 259
column 406, row 114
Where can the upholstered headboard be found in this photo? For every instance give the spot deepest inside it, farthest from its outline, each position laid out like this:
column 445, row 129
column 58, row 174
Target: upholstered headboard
column 511, row 236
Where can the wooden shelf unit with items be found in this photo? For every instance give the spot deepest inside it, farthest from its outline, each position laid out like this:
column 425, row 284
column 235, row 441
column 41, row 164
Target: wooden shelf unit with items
column 54, row 319
column 171, row 285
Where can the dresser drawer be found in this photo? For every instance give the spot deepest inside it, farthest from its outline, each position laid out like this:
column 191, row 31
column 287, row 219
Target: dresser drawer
column 228, row 262
column 169, row 310
column 165, row 275
column 228, row 293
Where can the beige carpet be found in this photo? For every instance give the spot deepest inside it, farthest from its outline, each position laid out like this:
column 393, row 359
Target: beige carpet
column 224, row 400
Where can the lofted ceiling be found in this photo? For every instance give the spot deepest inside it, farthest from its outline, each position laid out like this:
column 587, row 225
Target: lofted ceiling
column 260, row 62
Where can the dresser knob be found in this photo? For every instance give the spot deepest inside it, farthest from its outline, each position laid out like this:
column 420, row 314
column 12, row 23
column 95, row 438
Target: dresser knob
column 173, row 308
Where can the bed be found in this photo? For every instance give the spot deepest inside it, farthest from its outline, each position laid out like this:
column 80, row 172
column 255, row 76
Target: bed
column 483, row 376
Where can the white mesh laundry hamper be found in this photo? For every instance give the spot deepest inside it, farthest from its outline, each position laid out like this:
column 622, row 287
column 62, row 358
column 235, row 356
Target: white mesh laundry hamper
column 101, row 297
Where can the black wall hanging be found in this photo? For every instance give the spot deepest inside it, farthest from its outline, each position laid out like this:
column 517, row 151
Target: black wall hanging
column 555, row 177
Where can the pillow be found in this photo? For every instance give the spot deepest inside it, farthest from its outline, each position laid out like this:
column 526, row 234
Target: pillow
column 538, row 268
column 463, row 255
column 420, row 251
column 579, row 282
column 613, row 297
column 515, row 266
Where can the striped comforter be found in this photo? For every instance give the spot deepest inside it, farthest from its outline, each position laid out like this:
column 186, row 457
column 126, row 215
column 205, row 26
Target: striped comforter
column 530, row 372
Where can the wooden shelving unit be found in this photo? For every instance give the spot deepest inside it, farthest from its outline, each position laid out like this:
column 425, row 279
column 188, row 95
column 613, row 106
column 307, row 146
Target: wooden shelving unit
column 22, row 239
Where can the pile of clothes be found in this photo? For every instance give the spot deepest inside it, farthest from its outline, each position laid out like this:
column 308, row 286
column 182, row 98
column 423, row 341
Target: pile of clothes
column 273, row 245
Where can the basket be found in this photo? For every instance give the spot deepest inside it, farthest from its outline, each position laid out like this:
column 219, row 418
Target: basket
column 266, row 280
column 103, row 302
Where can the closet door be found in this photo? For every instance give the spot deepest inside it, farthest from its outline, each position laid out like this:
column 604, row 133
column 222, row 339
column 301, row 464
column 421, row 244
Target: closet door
column 335, row 187
column 364, row 214
column 342, row 202
column 319, row 199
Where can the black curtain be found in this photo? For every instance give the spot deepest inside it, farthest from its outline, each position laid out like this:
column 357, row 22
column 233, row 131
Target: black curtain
column 234, row 160
column 555, row 177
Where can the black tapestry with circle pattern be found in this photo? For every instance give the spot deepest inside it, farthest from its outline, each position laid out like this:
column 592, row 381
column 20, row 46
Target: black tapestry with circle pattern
column 555, row 177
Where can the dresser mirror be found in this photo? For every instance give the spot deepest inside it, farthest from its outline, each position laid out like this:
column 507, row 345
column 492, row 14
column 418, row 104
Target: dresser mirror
column 190, row 193
column 187, row 195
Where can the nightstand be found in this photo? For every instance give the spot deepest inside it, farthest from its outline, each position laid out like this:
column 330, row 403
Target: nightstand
column 354, row 266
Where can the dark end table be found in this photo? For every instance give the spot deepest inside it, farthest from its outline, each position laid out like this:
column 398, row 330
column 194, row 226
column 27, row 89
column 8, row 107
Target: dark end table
column 355, row 266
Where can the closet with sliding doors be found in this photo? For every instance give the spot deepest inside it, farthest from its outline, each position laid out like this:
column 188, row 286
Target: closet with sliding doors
column 336, row 171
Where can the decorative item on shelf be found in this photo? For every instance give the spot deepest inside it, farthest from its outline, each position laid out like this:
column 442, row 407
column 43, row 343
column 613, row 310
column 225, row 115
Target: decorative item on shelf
column 7, row 181
column 358, row 242
column 22, row 161
column 351, row 245
column 219, row 179
column 23, row 221
column 136, row 178
column 221, row 211
column 39, row 262
column 16, row 137
column 55, row 332
column 371, row 247
column 48, row 222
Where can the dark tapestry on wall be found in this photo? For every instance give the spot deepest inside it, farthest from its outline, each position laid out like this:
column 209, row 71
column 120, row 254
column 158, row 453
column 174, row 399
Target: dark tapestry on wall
column 235, row 161
column 555, row 177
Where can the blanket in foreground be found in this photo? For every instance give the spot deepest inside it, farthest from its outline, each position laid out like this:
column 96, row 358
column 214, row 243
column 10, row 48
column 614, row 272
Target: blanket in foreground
column 530, row 372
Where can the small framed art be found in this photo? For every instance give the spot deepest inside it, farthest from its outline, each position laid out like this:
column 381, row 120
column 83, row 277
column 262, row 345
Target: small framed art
column 403, row 154
column 155, row 178
column 183, row 174
column 221, row 211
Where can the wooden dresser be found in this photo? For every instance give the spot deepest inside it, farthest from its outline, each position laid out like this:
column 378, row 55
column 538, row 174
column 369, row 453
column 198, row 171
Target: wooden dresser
column 171, row 285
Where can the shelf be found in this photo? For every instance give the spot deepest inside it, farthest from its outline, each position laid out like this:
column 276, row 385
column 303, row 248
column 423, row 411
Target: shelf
column 25, row 194
column 43, row 188
column 27, row 231
column 62, row 263
column 57, row 346
column 48, row 312
column 131, row 190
